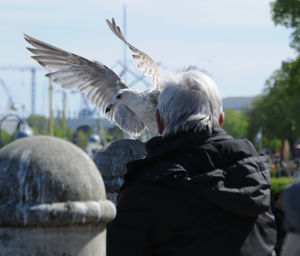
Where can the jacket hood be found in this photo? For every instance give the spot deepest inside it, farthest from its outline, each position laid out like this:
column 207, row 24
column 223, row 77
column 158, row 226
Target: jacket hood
column 226, row 171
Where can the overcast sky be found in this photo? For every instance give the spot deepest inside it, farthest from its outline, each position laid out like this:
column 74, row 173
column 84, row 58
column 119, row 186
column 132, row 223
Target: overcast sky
column 235, row 41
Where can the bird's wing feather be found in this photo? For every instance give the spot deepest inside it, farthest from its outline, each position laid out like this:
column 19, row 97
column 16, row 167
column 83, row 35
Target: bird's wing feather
column 145, row 63
column 128, row 119
column 91, row 77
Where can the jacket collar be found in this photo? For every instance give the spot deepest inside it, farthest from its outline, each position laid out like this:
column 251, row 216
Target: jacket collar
column 159, row 145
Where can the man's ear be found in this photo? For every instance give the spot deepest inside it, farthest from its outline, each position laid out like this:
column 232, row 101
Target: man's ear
column 221, row 119
column 158, row 122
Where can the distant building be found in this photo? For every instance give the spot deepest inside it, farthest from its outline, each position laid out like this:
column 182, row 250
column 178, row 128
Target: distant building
column 237, row 103
column 18, row 126
column 95, row 124
column 10, row 126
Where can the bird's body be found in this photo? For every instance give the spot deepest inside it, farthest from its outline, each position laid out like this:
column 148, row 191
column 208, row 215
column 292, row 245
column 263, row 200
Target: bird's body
column 131, row 110
column 147, row 98
column 143, row 104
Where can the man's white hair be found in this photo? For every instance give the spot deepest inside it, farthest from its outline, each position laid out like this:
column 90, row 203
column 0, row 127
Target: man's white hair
column 189, row 101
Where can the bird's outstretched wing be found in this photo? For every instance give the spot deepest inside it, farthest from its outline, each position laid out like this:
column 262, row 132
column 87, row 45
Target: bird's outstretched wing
column 95, row 79
column 145, row 63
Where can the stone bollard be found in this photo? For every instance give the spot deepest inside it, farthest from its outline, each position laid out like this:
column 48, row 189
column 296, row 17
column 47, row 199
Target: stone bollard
column 112, row 160
column 52, row 200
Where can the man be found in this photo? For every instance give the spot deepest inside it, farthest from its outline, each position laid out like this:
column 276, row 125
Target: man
column 198, row 191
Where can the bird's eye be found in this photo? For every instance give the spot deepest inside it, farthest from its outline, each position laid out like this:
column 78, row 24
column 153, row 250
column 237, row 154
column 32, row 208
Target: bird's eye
column 118, row 97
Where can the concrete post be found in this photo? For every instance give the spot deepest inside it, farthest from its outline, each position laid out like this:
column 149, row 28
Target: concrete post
column 112, row 160
column 52, row 200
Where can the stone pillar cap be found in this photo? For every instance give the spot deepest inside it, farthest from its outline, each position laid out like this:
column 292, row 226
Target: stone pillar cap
column 46, row 181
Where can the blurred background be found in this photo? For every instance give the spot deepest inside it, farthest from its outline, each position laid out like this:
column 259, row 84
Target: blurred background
column 250, row 48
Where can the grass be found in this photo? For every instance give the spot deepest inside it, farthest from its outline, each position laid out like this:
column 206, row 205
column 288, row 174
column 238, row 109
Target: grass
column 278, row 184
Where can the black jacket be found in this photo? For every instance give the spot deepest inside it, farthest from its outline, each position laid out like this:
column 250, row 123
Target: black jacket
column 195, row 195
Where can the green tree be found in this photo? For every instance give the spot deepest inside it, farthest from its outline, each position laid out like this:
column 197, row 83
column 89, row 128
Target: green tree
column 292, row 78
column 5, row 138
column 262, row 115
column 287, row 13
column 283, row 105
column 38, row 123
column 82, row 139
column 254, row 116
column 258, row 119
column 276, row 112
column 116, row 133
column 235, row 123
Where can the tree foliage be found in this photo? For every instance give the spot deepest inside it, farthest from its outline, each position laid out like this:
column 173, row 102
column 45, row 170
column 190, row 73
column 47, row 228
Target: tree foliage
column 276, row 112
column 38, row 123
column 235, row 123
column 287, row 103
column 82, row 139
column 287, row 13
column 258, row 119
column 292, row 78
column 5, row 138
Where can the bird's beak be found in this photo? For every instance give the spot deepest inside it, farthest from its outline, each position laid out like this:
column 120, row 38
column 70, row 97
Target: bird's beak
column 108, row 108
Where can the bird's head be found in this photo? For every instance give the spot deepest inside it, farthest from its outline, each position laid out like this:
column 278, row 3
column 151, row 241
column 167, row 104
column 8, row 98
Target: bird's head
column 124, row 96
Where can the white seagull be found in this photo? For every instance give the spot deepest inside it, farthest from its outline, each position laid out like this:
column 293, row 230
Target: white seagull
column 131, row 110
